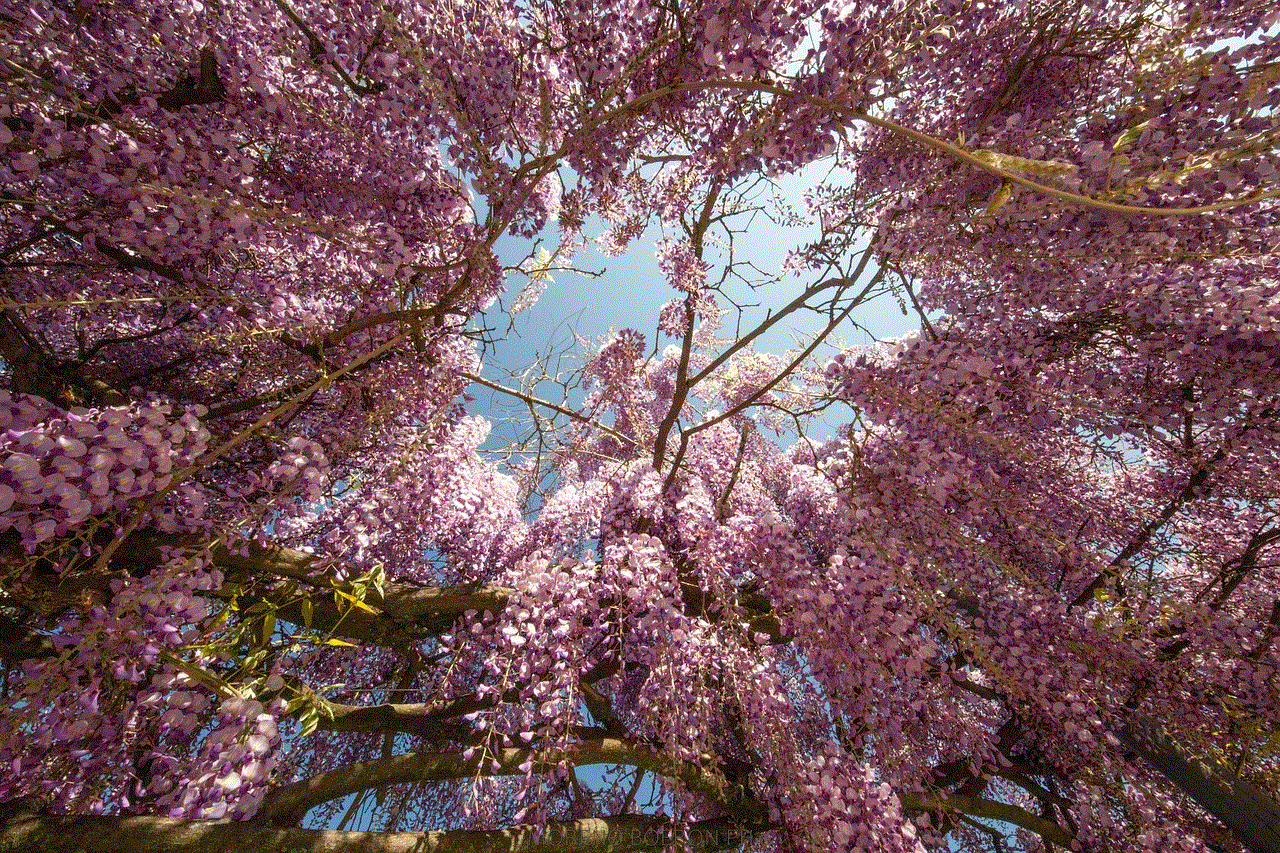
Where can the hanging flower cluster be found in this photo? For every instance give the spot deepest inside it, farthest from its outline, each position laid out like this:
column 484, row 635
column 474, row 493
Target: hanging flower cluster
column 62, row 469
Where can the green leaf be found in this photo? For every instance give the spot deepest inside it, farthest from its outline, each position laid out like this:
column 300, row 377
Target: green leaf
column 353, row 601
column 268, row 628
column 998, row 200
column 310, row 719
column 1128, row 137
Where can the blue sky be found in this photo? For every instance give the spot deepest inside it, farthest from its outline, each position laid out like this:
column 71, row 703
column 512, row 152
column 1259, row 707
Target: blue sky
column 630, row 289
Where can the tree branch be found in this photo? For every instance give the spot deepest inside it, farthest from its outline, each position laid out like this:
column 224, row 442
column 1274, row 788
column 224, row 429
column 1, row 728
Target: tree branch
column 20, row 642
column 1193, row 484
column 794, row 305
column 987, row 161
column 991, row 810
column 34, row 371
column 983, row 160
column 289, row 804
column 399, row 610
column 318, row 51
column 547, row 404
column 1251, row 815
column 403, row 608
column 412, row 718
column 38, row 833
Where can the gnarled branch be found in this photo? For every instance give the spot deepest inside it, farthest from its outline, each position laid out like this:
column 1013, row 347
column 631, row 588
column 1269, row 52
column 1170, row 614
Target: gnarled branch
column 290, row 803
column 40, row 833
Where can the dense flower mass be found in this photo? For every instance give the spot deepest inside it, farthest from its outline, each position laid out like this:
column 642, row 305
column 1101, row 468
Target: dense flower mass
column 266, row 568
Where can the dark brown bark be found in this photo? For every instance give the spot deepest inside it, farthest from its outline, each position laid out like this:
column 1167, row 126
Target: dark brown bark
column 290, row 803
column 1252, row 816
column 39, row 833
column 20, row 642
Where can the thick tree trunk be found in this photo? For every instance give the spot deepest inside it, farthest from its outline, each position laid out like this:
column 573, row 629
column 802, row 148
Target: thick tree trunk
column 39, row 833
column 1252, row 816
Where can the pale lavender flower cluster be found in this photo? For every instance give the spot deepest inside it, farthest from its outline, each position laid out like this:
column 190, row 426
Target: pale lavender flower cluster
column 230, row 774
column 58, row 469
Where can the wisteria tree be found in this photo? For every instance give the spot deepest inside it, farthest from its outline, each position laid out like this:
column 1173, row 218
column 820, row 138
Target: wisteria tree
column 266, row 587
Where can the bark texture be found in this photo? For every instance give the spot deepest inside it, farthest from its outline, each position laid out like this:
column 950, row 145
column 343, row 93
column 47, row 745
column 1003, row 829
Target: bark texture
column 38, row 833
